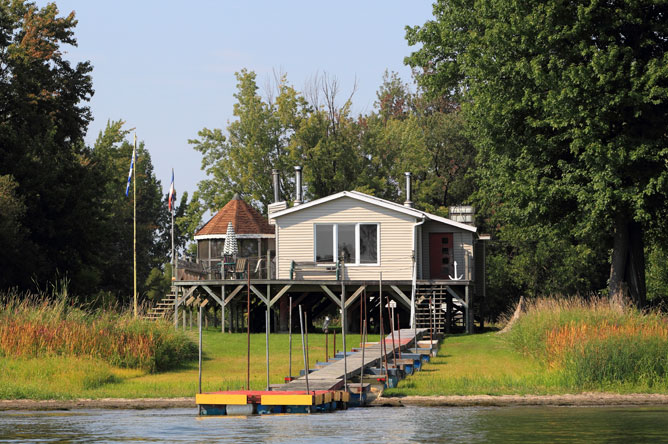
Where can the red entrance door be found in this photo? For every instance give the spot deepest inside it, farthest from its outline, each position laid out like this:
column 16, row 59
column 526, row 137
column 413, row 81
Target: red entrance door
column 440, row 255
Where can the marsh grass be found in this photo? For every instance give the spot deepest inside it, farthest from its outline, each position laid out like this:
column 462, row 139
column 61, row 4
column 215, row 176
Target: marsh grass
column 594, row 345
column 34, row 326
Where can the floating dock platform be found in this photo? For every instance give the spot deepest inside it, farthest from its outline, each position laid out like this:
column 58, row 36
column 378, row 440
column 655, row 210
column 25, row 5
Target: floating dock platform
column 250, row 402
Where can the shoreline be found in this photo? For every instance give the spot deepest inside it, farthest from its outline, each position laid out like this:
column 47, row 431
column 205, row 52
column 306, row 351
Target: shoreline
column 572, row 400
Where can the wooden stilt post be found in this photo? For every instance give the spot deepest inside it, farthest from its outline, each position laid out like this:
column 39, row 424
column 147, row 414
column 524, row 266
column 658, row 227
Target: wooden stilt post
column 248, row 329
column 469, row 310
column 222, row 309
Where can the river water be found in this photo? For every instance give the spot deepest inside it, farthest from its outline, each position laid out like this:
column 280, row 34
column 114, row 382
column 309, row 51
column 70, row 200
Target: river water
column 371, row 425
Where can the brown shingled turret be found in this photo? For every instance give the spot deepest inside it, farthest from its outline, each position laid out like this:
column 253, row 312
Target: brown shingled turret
column 245, row 220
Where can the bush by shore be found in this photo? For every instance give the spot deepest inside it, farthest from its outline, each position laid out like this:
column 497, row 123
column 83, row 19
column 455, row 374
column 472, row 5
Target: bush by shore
column 36, row 326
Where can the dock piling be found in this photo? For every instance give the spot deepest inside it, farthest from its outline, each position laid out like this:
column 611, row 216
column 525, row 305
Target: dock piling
column 399, row 333
column 200, row 348
column 391, row 319
column 301, row 327
column 290, row 339
column 344, row 321
column 266, row 341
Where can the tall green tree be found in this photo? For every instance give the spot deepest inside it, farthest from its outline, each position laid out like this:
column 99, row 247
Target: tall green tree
column 256, row 142
column 43, row 118
column 409, row 132
column 567, row 103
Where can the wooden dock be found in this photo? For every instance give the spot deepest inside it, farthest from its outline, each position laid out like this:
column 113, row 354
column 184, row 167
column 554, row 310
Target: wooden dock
column 331, row 376
column 326, row 385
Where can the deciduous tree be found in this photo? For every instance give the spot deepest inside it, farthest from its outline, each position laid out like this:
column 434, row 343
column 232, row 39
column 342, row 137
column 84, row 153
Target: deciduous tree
column 568, row 104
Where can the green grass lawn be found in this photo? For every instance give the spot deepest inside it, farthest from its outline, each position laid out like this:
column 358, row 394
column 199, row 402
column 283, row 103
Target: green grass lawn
column 465, row 365
column 476, row 365
column 487, row 364
column 224, row 367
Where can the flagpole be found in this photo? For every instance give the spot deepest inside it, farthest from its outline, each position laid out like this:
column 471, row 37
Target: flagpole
column 174, row 260
column 134, row 219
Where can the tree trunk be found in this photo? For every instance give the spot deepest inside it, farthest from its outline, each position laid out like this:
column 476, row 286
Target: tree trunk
column 635, row 265
column 627, row 268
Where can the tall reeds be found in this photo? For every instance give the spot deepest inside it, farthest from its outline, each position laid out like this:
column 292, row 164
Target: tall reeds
column 594, row 344
column 34, row 326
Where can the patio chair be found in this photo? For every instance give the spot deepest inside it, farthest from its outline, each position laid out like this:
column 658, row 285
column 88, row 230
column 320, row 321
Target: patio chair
column 240, row 268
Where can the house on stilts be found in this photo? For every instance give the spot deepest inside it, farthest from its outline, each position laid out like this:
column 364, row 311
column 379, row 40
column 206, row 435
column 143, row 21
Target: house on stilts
column 349, row 245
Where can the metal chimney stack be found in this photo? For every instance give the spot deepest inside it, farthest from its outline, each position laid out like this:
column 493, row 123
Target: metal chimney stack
column 298, row 186
column 274, row 174
column 409, row 190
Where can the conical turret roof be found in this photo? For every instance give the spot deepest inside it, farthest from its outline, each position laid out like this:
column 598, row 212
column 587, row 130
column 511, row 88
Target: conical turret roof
column 244, row 218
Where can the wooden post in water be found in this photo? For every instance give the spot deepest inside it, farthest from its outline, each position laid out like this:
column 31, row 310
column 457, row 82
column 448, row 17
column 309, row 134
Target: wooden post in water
column 200, row 348
column 308, row 368
column 391, row 319
column 362, row 368
column 290, row 340
column 266, row 341
column 344, row 321
column 431, row 338
column 301, row 327
column 380, row 313
column 399, row 333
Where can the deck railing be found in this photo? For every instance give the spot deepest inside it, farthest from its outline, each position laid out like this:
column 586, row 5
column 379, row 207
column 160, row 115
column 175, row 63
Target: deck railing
column 261, row 267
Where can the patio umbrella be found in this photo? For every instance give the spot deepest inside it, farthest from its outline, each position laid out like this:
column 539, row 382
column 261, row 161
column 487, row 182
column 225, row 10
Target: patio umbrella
column 230, row 247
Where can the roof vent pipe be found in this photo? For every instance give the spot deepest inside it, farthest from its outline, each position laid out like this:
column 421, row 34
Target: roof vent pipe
column 298, row 186
column 408, row 203
column 274, row 174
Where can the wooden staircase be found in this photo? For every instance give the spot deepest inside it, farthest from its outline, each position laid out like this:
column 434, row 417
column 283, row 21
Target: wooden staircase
column 441, row 320
column 162, row 309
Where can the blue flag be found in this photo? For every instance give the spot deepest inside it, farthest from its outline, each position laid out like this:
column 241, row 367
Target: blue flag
column 132, row 165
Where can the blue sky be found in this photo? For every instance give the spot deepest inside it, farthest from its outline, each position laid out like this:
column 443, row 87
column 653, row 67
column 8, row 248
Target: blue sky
column 167, row 68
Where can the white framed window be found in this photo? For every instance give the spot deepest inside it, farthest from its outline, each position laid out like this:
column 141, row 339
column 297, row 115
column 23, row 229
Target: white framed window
column 358, row 243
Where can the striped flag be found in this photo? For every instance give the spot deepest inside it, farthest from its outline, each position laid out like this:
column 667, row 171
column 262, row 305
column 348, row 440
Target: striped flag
column 132, row 165
column 172, row 193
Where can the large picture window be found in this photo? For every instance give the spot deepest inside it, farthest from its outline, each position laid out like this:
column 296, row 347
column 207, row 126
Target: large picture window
column 357, row 243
